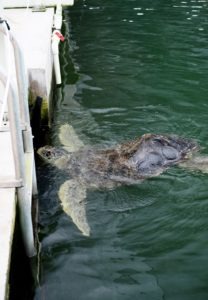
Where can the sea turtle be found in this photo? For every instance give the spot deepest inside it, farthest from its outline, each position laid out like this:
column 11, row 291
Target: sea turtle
column 127, row 163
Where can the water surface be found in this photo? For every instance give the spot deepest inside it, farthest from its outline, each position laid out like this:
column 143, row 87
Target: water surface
column 131, row 67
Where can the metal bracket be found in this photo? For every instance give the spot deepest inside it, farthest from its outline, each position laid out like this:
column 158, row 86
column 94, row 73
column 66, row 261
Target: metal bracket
column 13, row 183
column 5, row 126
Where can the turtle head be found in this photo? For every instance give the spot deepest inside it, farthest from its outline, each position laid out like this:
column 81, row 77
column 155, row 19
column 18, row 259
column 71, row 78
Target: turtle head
column 53, row 155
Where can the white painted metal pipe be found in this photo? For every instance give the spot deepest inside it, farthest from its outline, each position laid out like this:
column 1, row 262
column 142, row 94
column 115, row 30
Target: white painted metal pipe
column 56, row 62
column 26, row 221
column 58, row 17
column 23, row 192
column 15, row 128
column 56, row 37
column 22, row 84
column 24, row 195
column 22, row 81
column 7, row 43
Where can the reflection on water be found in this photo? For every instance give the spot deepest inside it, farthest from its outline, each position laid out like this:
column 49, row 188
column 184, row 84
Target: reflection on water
column 129, row 68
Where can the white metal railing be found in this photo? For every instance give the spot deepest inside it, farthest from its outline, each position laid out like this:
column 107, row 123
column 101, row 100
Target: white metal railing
column 22, row 94
column 15, row 100
column 9, row 60
column 21, row 82
column 21, row 137
column 17, row 143
column 10, row 100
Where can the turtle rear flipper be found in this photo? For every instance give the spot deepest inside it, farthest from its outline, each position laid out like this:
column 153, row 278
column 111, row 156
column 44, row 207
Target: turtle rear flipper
column 69, row 138
column 196, row 163
column 72, row 194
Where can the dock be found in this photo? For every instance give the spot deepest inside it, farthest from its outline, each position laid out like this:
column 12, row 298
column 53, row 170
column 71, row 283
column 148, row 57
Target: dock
column 29, row 58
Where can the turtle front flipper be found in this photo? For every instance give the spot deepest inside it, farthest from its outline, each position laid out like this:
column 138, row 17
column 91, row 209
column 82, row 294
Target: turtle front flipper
column 69, row 138
column 72, row 194
column 196, row 163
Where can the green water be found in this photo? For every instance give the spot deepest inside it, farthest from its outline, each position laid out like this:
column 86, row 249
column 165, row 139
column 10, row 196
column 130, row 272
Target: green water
column 130, row 67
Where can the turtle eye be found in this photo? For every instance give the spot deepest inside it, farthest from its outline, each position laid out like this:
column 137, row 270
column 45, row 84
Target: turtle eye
column 48, row 154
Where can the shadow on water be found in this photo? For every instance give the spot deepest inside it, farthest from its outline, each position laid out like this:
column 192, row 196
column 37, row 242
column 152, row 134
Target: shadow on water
column 21, row 281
